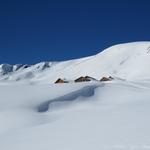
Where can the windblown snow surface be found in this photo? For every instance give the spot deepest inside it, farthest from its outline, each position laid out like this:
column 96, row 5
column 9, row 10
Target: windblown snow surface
column 36, row 114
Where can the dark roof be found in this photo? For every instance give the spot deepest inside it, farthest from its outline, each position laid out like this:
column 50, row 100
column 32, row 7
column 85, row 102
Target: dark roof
column 82, row 79
column 61, row 81
column 106, row 78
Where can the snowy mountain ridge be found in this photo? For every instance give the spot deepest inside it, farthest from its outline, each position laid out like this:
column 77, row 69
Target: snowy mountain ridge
column 128, row 61
column 8, row 68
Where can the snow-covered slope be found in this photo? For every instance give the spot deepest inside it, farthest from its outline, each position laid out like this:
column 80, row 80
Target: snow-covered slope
column 112, row 115
column 129, row 61
column 99, row 116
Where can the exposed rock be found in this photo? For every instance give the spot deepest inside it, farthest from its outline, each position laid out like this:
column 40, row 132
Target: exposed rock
column 6, row 68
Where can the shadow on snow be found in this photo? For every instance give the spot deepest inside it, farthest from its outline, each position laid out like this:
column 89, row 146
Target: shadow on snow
column 86, row 91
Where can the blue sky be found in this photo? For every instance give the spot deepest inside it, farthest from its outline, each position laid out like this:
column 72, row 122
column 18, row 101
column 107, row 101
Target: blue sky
column 34, row 31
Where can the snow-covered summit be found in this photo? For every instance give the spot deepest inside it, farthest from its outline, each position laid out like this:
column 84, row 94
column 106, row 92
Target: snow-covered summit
column 22, row 71
column 128, row 61
column 7, row 68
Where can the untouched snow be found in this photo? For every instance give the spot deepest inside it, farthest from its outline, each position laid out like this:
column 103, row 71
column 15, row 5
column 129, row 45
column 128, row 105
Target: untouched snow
column 36, row 114
column 129, row 61
column 114, row 116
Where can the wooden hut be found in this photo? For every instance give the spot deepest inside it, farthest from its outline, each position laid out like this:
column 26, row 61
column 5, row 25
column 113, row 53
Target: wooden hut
column 106, row 78
column 60, row 81
column 90, row 78
column 82, row 79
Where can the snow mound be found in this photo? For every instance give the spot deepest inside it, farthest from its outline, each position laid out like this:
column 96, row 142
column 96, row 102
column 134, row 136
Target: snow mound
column 86, row 91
